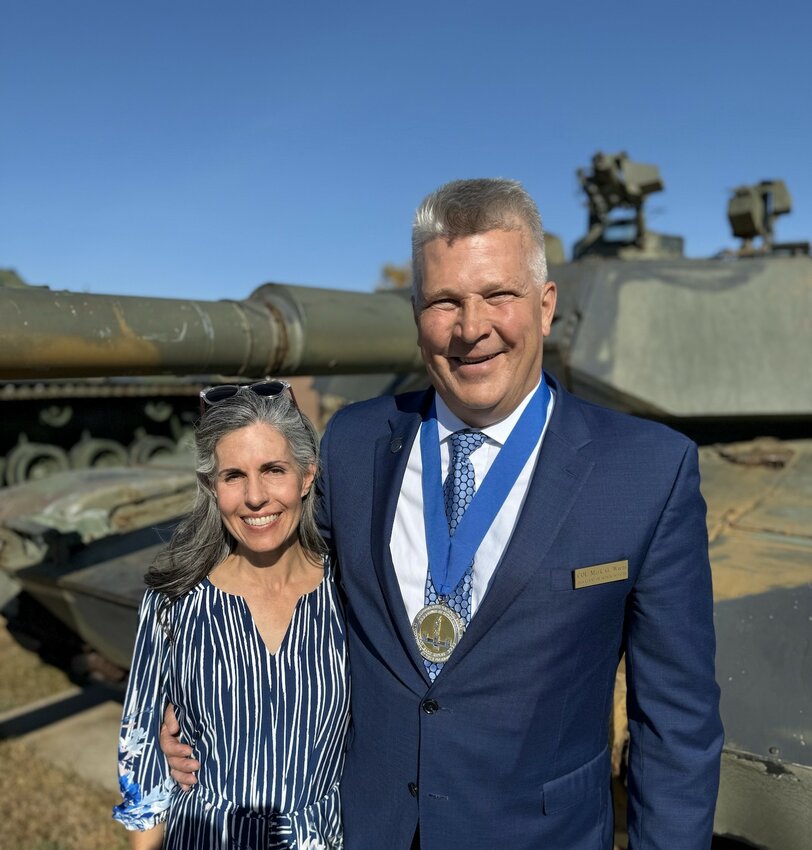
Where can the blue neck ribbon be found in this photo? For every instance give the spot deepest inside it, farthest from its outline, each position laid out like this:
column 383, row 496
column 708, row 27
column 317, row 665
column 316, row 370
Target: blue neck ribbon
column 449, row 557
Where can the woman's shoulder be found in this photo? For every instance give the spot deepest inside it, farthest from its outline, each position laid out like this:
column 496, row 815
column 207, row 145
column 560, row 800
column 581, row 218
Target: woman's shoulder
column 153, row 600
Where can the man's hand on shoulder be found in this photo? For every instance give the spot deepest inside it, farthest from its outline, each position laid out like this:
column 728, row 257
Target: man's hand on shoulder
column 182, row 765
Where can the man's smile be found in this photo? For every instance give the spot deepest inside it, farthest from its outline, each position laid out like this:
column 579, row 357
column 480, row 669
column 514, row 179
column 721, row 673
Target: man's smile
column 471, row 360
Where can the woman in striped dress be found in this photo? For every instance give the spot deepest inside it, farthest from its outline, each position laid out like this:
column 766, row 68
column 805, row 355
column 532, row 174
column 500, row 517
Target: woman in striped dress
column 241, row 629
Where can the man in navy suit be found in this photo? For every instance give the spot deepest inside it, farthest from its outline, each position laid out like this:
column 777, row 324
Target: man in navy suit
column 501, row 545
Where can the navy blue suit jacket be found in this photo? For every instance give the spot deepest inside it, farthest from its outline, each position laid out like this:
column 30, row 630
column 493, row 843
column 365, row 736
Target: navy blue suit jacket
column 508, row 746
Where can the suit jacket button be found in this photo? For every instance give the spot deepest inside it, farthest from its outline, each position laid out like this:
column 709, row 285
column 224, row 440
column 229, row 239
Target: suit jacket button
column 413, row 789
column 430, row 706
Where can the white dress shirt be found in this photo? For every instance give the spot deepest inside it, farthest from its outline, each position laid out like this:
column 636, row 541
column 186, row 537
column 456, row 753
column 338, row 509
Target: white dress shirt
column 408, row 542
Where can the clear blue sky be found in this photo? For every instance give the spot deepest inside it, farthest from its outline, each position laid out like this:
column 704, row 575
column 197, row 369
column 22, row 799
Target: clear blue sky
column 198, row 149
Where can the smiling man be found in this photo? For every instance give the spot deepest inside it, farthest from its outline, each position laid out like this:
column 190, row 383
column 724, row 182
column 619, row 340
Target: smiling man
column 501, row 544
column 481, row 315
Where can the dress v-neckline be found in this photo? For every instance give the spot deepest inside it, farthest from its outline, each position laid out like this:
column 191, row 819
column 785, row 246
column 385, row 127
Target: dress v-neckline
column 249, row 614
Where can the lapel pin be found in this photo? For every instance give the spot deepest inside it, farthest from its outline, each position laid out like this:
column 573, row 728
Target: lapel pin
column 396, row 445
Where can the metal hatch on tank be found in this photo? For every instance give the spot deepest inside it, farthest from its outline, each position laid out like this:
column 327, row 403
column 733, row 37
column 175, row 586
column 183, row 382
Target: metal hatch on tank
column 718, row 348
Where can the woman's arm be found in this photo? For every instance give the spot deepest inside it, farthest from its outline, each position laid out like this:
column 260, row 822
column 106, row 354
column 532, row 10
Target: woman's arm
column 143, row 774
column 149, row 839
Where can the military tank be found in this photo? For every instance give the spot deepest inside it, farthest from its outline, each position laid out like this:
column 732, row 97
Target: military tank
column 52, row 425
column 719, row 348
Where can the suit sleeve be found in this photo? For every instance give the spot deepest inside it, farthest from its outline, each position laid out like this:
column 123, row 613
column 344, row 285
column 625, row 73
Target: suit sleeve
column 673, row 700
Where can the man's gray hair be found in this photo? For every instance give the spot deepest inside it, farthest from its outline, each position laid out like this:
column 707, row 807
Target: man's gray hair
column 467, row 207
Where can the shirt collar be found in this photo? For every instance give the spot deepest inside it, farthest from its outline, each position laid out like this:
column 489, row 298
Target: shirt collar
column 448, row 423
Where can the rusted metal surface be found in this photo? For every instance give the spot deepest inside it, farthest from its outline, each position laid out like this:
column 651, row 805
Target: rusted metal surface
column 280, row 329
column 759, row 517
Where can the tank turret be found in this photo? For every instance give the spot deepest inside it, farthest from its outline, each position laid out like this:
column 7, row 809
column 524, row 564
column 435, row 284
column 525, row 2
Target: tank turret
column 719, row 348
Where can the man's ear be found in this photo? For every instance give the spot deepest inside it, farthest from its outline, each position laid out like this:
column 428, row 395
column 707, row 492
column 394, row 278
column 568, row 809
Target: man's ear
column 549, row 296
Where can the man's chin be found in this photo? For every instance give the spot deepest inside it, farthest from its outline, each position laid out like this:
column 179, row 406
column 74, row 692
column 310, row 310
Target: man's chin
column 477, row 409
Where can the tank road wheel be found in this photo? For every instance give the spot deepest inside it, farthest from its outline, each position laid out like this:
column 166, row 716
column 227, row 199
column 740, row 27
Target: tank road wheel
column 146, row 449
column 95, row 452
column 33, row 461
column 56, row 416
column 158, row 411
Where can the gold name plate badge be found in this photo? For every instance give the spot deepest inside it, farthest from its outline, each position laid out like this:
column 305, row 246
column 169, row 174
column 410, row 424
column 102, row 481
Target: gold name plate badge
column 600, row 574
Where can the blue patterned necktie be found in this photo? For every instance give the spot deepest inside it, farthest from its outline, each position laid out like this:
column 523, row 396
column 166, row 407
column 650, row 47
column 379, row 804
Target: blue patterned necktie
column 458, row 491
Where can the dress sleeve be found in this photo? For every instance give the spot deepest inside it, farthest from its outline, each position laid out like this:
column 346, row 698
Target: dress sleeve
column 143, row 773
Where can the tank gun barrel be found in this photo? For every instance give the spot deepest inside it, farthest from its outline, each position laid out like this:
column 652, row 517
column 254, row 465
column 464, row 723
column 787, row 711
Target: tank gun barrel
column 279, row 330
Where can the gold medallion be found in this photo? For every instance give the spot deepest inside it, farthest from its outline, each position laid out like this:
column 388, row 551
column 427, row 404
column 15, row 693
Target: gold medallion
column 437, row 630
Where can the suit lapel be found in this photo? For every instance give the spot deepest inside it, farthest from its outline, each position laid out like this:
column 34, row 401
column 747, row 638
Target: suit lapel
column 391, row 458
column 563, row 465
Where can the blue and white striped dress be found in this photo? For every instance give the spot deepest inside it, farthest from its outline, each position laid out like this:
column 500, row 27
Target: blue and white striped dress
column 269, row 730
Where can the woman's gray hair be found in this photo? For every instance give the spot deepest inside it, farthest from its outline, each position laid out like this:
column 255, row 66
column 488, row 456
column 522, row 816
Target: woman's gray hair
column 467, row 207
column 201, row 540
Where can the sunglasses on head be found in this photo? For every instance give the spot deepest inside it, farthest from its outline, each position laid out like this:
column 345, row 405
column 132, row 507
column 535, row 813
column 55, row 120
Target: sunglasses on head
column 269, row 388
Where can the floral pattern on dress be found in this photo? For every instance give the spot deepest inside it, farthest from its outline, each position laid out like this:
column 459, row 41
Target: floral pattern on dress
column 138, row 810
